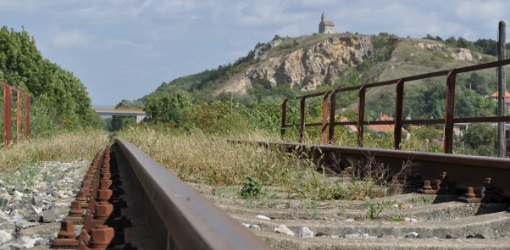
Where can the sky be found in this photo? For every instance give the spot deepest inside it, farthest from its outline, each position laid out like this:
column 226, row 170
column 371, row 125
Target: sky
column 125, row 49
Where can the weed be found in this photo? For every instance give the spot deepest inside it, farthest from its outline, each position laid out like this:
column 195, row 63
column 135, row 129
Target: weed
column 374, row 210
column 251, row 188
column 398, row 218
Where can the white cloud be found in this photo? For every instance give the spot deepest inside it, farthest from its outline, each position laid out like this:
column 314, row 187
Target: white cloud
column 70, row 38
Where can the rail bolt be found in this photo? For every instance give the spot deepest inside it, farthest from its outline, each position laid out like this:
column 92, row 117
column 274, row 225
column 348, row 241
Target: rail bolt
column 470, row 193
column 101, row 236
column 103, row 210
column 76, row 210
column 426, row 185
column 104, row 194
column 81, row 196
column 105, row 184
column 66, row 230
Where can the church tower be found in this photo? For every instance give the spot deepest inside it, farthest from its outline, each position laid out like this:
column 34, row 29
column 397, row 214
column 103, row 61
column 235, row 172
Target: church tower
column 325, row 26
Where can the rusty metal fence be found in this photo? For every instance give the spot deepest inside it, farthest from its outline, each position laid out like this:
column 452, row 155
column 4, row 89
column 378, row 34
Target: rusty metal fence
column 7, row 113
column 448, row 121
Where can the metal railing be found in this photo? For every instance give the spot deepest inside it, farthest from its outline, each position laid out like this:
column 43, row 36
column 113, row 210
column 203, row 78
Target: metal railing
column 449, row 120
column 7, row 113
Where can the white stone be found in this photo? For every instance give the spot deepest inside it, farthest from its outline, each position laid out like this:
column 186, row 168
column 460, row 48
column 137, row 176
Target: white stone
column 349, row 220
column 246, row 225
column 305, row 232
column 256, row 227
column 29, row 242
column 4, row 236
column 283, row 230
column 263, row 217
column 36, row 209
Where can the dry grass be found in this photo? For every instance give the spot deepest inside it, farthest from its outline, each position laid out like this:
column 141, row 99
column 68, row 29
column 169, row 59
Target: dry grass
column 62, row 147
column 203, row 158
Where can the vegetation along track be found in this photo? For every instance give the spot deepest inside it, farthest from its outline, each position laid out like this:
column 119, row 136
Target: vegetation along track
column 128, row 201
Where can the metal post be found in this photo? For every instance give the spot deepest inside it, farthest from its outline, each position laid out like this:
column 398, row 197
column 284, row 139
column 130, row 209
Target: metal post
column 18, row 116
column 284, row 116
column 324, row 117
column 230, row 103
column 361, row 114
column 450, row 112
column 501, row 89
column 332, row 108
column 27, row 116
column 399, row 108
column 7, row 114
column 301, row 119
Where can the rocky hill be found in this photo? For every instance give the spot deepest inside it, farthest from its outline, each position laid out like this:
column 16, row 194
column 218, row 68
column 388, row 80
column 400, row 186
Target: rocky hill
column 321, row 62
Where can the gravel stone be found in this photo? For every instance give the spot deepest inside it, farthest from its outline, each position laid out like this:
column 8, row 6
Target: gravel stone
column 49, row 216
column 283, row 230
column 305, row 232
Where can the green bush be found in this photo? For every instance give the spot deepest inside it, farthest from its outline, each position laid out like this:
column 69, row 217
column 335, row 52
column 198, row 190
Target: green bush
column 251, row 189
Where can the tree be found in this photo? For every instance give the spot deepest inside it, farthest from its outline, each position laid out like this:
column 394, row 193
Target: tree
column 168, row 108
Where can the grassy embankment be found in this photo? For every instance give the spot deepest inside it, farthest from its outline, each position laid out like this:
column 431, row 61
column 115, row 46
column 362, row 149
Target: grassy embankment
column 209, row 159
column 81, row 144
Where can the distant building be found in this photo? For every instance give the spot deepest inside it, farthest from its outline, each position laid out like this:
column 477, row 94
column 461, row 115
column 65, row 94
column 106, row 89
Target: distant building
column 385, row 128
column 325, row 26
column 507, row 97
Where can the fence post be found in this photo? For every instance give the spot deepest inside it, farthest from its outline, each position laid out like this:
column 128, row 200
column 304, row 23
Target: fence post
column 501, row 89
column 301, row 119
column 27, row 116
column 332, row 108
column 450, row 111
column 399, row 108
column 7, row 114
column 325, row 117
column 361, row 114
column 18, row 116
column 284, row 116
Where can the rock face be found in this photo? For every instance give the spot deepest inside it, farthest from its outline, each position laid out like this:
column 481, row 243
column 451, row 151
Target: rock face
column 307, row 67
column 463, row 54
column 262, row 50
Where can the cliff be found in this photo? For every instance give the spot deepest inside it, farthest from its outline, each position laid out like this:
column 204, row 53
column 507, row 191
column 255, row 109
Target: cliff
column 306, row 67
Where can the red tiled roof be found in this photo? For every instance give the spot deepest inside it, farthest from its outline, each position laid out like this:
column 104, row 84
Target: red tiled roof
column 507, row 95
column 386, row 127
column 351, row 127
column 329, row 23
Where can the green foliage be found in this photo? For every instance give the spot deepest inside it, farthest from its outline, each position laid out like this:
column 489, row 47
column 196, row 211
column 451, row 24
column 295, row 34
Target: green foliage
column 251, row 189
column 168, row 108
column 480, row 139
column 374, row 210
column 426, row 133
column 61, row 94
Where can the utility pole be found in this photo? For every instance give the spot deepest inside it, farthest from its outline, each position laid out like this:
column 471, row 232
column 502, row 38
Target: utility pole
column 501, row 89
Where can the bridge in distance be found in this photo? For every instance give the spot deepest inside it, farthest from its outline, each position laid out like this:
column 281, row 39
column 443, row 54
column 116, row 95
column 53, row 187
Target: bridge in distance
column 138, row 113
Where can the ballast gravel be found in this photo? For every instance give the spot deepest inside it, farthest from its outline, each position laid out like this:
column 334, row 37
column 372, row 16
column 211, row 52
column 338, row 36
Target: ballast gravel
column 33, row 201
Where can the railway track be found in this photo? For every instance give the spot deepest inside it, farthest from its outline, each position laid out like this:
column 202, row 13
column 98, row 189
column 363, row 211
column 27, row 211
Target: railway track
column 128, row 201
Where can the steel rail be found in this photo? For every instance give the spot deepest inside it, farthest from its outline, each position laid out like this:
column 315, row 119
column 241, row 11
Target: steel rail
column 467, row 171
column 190, row 220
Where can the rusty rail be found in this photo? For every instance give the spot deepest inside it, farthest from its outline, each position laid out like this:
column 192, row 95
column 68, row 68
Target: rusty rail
column 129, row 201
column 7, row 114
column 467, row 171
column 448, row 121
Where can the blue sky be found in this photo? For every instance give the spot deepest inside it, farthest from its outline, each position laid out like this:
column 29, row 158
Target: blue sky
column 124, row 49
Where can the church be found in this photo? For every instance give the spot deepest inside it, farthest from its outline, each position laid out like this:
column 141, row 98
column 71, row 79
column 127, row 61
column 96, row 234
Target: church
column 325, row 26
